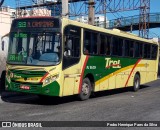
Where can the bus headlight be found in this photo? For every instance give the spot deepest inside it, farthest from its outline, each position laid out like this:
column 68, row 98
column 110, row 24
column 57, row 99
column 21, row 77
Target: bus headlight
column 46, row 81
column 50, row 79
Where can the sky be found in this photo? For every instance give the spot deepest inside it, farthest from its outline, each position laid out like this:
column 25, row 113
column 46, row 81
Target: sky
column 154, row 7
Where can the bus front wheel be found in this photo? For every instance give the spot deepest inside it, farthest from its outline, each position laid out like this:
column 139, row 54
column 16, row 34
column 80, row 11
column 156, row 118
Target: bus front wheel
column 136, row 83
column 86, row 89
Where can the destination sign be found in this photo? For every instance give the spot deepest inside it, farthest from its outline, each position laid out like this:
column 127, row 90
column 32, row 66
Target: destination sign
column 35, row 23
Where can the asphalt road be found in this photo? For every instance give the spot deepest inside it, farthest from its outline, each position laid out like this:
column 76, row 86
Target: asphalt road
column 115, row 105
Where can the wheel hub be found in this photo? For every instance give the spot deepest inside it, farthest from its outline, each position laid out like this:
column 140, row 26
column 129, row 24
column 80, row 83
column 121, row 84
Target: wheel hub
column 136, row 83
column 85, row 88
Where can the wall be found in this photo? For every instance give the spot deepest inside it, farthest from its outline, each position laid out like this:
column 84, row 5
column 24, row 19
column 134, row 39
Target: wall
column 3, row 53
column 5, row 23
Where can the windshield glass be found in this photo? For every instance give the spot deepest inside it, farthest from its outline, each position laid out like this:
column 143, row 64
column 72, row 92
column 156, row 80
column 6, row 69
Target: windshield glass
column 29, row 48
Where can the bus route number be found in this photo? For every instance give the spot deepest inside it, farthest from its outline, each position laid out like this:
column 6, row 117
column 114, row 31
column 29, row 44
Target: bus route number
column 22, row 24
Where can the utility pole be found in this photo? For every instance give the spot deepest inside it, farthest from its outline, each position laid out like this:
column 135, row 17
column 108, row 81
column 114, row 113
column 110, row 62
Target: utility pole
column 91, row 12
column 144, row 18
column 105, row 11
column 65, row 8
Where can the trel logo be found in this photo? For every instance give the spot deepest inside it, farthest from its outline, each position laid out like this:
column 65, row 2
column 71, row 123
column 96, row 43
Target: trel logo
column 112, row 63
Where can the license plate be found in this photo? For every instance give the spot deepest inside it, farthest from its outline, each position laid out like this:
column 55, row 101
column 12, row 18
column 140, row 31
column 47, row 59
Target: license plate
column 25, row 87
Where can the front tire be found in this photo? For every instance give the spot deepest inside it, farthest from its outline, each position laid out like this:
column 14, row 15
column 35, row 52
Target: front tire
column 136, row 83
column 86, row 89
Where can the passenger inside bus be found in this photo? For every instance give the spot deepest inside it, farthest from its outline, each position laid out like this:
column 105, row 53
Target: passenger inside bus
column 86, row 51
column 30, row 59
column 68, row 47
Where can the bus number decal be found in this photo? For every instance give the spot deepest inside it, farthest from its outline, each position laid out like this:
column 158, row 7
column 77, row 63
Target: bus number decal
column 91, row 67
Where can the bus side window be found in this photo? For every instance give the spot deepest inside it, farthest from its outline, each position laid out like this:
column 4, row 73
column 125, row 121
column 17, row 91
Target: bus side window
column 114, row 46
column 117, row 46
column 147, row 51
column 68, row 46
column 120, row 47
column 87, row 42
column 102, row 45
column 131, row 49
column 126, row 48
column 90, row 42
column 72, row 46
column 108, row 45
column 94, row 43
column 154, row 51
column 138, row 50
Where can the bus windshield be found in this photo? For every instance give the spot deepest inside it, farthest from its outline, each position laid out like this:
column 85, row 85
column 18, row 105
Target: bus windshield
column 34, row 48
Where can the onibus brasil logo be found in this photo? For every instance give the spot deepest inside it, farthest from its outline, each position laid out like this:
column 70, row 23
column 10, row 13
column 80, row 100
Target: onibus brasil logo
column 112, row 63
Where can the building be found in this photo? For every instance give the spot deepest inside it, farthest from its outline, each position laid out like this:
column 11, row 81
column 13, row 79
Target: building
column 6, row 16
column 99, row 20
column 82, row 19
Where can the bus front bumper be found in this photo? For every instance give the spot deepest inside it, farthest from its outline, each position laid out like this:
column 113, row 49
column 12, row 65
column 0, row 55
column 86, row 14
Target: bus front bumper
column 52, row 89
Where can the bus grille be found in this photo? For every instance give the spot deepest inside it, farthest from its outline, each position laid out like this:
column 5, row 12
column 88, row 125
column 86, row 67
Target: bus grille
column 33, row 88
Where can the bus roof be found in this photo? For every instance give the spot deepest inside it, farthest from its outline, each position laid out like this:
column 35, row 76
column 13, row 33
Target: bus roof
column 116, row 32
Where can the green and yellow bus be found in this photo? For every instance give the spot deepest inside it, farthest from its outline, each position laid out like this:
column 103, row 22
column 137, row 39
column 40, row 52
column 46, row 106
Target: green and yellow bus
column 61, row 57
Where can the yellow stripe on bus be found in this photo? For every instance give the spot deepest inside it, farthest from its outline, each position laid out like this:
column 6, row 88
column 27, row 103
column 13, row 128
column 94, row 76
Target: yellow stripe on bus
column 116, row 72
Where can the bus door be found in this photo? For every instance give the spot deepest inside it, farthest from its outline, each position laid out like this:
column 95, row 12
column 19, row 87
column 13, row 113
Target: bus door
column 71, row 58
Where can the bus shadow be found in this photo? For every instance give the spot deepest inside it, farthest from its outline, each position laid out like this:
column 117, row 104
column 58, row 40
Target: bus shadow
column 117, row 91
column 23, row 98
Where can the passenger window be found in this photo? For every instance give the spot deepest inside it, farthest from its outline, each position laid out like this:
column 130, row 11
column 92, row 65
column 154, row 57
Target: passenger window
column 72, row 46
column 108, row 46
column 117, row 45
column 90, row 43
column 126, row 48
column 72, row 40
column 154, row 51
column 147, row 51
column 129, row 48
column 94, row 43
column 87, row 43
column 102, row 45
column 138, row 49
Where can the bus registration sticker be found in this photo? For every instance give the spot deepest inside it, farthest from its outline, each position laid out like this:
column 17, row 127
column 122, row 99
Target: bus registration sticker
column 25, row 87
